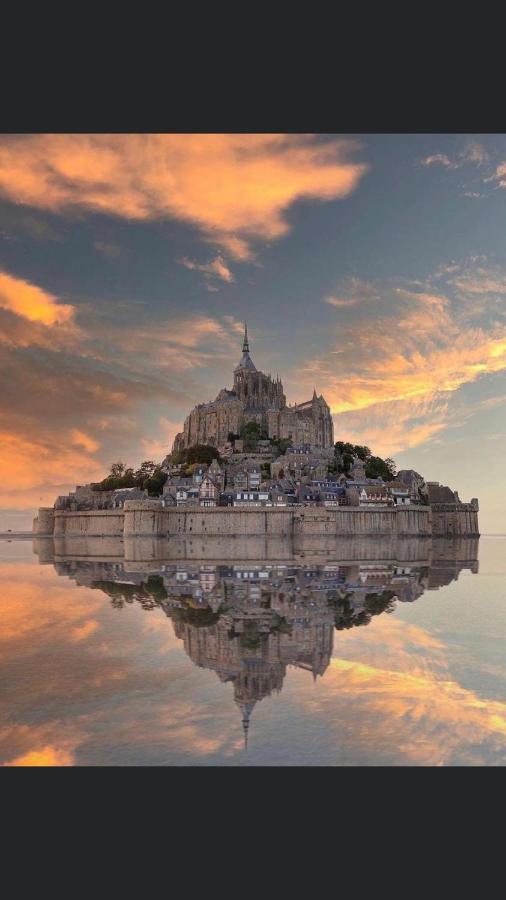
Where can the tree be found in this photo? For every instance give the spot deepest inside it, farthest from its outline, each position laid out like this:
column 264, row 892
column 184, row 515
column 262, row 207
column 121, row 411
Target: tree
column 155, row 484
column 128, row 479
column 156, row 588
column 346, row 462
column 251, row 433
column 378, row 468
column 363, row 453
column 145, row 471
column 392, row 465
column 281, row 444
column 117, row 469
column 199, row 453
column 341, row 447
column 250, row 430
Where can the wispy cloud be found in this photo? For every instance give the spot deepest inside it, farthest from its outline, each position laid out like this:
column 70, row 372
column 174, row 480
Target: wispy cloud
column 499, row 175
column 217, row 268
column 394, row 365
column 108, row 249
column 438, row 159
column 341, row 301
column 473, row 153
column 352, row 292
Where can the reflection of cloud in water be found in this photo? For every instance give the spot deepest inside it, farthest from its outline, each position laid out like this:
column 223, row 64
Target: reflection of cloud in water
column 430, row 718
column 111, row 694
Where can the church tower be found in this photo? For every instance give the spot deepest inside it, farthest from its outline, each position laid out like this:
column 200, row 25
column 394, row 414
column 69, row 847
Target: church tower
column 257, row 397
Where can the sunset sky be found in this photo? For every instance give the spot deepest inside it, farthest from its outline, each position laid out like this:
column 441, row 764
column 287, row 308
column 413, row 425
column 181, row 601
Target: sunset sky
column 370, row 266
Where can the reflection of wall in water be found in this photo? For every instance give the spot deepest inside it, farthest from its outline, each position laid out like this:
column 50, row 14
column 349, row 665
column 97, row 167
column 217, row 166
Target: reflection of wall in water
column 249, row 622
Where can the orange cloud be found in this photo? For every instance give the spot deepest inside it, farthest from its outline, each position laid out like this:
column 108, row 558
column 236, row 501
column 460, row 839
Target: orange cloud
column 32, row 302
column 430, row 717
column 34, row 470
column 44, row 756
column 81, row 632
column 38, row 610
column 402, row 351
column 234, row 187
column 80, row 439
column 159, row 445
column 391, row 682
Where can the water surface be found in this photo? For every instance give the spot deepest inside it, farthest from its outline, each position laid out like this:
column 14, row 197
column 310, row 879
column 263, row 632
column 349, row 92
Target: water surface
column 331, row 661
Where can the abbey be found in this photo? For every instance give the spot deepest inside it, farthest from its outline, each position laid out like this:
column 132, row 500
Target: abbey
column 256, row 397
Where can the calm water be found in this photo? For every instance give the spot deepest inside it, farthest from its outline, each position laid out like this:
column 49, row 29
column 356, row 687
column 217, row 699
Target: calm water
column 329, row 662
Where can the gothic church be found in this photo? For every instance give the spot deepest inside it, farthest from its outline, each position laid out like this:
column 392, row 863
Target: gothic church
column 256, row 397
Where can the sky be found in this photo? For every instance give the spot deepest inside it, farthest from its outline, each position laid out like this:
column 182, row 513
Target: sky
column 372, row 267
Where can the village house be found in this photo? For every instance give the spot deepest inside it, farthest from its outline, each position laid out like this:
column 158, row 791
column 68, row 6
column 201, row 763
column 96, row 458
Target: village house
column 357, row 471
column 217, row 473
column 239, row 480
column 333, row 495
column 278, row 467
column 400, row 493
column 413, row 480
column 177, row 481
column 226, row 498
column 254, row 477
column 282, row 493
column 118, row 497
column 184, row 495
column 198, row 474
column 307, row 493
column 209, row 492
column 375, row 495
column 251, row 498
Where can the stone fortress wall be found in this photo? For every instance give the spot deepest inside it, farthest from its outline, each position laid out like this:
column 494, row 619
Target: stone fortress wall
column 148, row 518
column 447, row 519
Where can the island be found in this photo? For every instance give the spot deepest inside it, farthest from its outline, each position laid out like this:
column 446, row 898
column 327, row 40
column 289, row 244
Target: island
column 249, row 464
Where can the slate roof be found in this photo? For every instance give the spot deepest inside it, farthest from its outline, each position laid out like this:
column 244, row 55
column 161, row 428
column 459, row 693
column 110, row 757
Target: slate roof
column 439, row 493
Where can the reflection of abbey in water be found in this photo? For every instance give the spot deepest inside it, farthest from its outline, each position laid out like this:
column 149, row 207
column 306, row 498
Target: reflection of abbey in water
column 249, row 622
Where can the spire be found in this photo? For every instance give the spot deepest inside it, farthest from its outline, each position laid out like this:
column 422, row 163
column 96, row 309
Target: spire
column 246, row 361
column 246, row 709
column 314, row 394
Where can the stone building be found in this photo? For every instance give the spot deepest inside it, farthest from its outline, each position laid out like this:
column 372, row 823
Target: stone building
column 256, row 397
column 209, row 491
column 451, row 517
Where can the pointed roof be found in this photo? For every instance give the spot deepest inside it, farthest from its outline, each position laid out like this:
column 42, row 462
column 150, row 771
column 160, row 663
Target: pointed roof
column 246, row 709
column 246, row 361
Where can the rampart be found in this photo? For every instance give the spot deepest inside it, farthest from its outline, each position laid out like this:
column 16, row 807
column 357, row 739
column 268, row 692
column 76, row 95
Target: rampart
column 451, row 519
column 147, row 518
column 44, row 521
column 89, row 523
